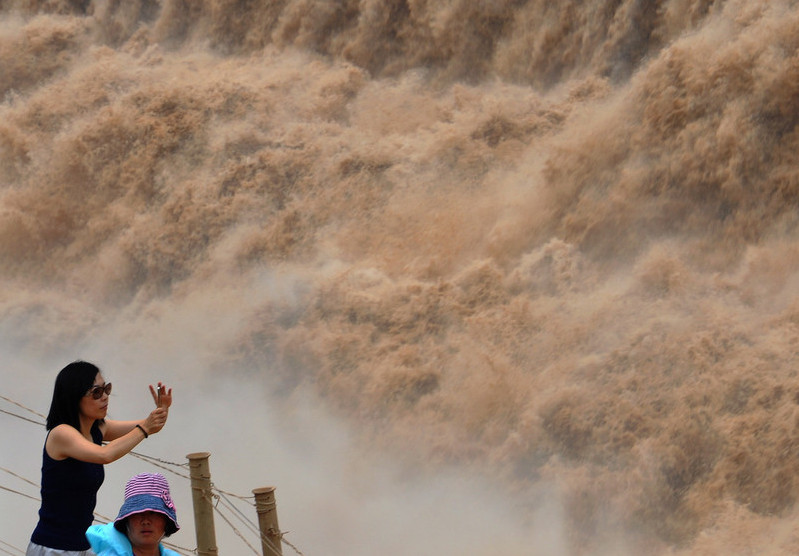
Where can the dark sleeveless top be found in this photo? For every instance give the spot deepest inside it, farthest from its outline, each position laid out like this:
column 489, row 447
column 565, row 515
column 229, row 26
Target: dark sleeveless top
column 69, row 494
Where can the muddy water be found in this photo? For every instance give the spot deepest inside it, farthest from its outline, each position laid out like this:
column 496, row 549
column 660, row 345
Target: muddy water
column 555, row 244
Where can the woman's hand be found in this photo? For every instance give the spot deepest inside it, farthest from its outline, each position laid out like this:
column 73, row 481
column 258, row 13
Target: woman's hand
column 162, row 396
column 155, row 420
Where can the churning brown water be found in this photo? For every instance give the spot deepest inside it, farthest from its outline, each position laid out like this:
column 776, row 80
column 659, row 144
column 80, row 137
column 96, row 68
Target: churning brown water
column 554, row 243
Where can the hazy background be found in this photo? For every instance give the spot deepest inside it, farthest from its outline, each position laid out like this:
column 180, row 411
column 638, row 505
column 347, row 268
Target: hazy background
column 456, row 277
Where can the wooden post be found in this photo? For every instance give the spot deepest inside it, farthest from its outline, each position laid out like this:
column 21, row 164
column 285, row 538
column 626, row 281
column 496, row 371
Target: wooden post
column 266, row 507
column 203, row 508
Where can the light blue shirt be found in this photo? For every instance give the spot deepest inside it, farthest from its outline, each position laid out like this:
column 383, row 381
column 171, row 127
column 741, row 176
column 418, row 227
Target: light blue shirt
column 107, row 541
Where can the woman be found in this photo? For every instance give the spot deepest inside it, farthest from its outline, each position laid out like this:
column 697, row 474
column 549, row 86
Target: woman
column 147, row 515
column 74, row 455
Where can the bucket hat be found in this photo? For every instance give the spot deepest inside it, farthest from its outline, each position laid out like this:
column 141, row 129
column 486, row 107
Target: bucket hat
column 148, row 492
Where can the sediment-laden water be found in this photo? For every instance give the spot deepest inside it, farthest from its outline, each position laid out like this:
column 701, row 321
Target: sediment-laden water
column 554, row 244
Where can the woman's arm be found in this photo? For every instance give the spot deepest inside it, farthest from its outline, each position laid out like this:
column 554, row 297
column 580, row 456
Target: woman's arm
column 65, row 441
column 155, row 421
column 117, row 429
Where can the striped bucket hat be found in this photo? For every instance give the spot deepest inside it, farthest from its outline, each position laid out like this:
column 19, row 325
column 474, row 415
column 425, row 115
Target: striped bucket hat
column 148, row 492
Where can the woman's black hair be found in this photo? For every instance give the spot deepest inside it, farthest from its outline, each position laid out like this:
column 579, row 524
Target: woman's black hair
column 71, row 385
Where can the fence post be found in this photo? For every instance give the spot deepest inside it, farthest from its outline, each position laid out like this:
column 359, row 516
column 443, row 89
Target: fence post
column 203, row 508
column 266, row 507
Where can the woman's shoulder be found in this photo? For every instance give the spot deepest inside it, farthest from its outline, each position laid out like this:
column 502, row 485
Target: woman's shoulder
column 62, row 428
column 61, row 433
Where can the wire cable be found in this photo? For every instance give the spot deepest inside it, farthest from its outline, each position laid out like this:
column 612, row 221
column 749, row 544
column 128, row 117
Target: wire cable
column 235, row 530
column 180, row 549
column 255, row 529
column 19, row 477
column 243, row 518
column 252, row 526
column 20, row 493
column 294, row 548
column 152, row 461
column 23, row 407
column 21, row 417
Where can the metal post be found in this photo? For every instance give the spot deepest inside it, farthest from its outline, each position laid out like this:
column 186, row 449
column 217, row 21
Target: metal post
column 203, row 508
column 266, row 507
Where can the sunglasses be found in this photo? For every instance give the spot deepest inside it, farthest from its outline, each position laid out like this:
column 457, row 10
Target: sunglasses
column 97, row 391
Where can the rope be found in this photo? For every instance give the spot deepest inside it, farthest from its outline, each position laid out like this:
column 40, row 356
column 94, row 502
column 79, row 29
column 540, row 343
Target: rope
column 23, row 407
column 244, row 498
column 249, row 523
column 19, row 477
column 204, row 493
column 152, row 461
column 253, row 527
column 180, row 549
column 21, row 417
column 284, row 541
column 20, row 493
column 235, row 530
column 165, row 462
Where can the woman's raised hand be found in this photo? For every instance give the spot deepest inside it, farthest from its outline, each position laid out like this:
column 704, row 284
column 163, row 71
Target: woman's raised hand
column 162, row 396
